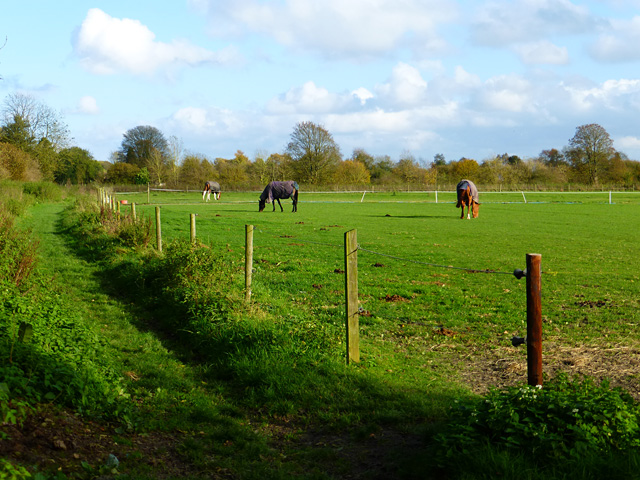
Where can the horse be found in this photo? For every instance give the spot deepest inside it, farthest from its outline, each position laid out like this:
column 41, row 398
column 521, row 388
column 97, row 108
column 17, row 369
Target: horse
column 211, row 187
column 467, row 197
column 275, row 191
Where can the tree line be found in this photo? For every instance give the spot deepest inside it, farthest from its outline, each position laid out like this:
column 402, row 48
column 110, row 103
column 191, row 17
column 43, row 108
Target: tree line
column 35, row 144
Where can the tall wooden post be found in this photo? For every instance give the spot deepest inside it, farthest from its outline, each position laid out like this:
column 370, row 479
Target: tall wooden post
column 248, row 261
column 158, row 230
column 534, row 320
column 193, row 227
column 148, row 194
column 133, row 211
column 351, row 295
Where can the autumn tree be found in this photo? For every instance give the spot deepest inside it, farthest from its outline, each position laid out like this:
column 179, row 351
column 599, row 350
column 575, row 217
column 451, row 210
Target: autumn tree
column 464, row 168
column 352, row 172
column 409, row 170
column 314, row 154
column 590, row 150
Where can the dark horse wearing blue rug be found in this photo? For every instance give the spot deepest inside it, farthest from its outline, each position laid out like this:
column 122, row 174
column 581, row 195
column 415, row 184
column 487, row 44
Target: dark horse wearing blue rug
column 209, row 188
column 467, row 196
column 279, row 190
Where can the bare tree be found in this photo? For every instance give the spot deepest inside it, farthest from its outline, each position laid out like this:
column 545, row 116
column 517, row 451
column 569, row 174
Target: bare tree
column 43, row 122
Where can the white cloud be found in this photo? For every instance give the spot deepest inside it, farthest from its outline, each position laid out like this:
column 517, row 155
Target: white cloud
column 309, row 99
column 362, row 94
column 620, row 95
column 542, row 52
column 406, row 87
column 88, row 105
column 108, row 45
column 628, row 143
column 506, row 22
column 509, row 93
column 336, row 27
column 620, row 43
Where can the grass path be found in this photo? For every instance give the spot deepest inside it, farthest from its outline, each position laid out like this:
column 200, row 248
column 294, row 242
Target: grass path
column 196, row 427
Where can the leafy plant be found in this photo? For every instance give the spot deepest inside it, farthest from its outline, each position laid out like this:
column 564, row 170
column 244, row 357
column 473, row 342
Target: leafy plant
column 565, row 419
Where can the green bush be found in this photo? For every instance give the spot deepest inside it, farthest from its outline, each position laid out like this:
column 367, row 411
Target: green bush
column 43, row 191
column 567, row 419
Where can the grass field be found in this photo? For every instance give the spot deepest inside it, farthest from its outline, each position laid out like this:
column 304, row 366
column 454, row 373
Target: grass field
column 420, row 284
column 199, row 384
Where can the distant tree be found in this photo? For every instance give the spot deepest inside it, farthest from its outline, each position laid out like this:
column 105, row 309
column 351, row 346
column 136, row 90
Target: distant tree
column 439, row 160
column 195, row 170
column 140, row 143
column 464, row 168
column 408, row 169
column 175, row 151
column 16, row 164
column 77, row 166
column 314, row 154
column 122, row 174
column 360, row 155
column 143, row 177
column 552, row 157
column 157, row 165
column 41, row 120
column 590, row 150
column 18, row 133
column 44, row 152
column 382, row 169
column 352, row 172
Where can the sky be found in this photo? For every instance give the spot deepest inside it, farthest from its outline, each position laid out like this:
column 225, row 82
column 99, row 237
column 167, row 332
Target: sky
column 460, row 78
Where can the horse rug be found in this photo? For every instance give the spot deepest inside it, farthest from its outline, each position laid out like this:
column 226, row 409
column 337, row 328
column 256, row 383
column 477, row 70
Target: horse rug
column 281, row 190
column 462, row 186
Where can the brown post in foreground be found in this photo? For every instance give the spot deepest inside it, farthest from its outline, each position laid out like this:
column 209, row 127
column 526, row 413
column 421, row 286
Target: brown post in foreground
column 158, row 230
column 534, row 320
column 351, row 294
column 133, row 210
column 248, row 261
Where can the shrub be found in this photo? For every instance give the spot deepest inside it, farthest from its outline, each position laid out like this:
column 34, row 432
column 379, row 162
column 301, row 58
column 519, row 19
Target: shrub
column 567, row 419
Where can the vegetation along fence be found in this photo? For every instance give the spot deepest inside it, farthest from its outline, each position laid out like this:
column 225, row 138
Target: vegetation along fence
column 533, row 338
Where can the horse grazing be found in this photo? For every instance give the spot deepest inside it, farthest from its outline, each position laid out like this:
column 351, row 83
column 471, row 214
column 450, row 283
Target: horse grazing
column 467, row 197
column 209, row 188
column 279, row 190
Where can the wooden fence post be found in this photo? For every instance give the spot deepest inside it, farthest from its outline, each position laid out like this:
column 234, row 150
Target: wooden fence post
column 534, row 320
column 351, row 295
column 193, row 227
column 248, row 261
column 158, row 230
column 133, row 211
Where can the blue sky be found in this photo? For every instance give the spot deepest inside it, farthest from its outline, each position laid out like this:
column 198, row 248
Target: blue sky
column 461, row 78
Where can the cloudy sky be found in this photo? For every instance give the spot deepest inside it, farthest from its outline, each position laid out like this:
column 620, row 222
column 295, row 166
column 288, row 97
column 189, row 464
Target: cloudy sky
column 459, row 78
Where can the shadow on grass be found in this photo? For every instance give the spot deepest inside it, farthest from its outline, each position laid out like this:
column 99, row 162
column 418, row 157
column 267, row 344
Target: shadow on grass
column 312, row 397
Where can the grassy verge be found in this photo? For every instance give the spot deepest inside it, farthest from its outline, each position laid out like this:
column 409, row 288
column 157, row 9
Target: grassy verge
column 197, row 384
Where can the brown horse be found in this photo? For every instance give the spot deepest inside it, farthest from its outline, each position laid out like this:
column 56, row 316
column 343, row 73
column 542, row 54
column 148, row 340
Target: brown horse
column 467, row 197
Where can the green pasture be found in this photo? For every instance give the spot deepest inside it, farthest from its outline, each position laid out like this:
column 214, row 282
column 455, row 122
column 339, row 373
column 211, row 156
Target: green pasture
column 422, row 269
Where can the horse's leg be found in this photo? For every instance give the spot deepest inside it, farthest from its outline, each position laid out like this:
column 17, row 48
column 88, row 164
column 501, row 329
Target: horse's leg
column 280, row 205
